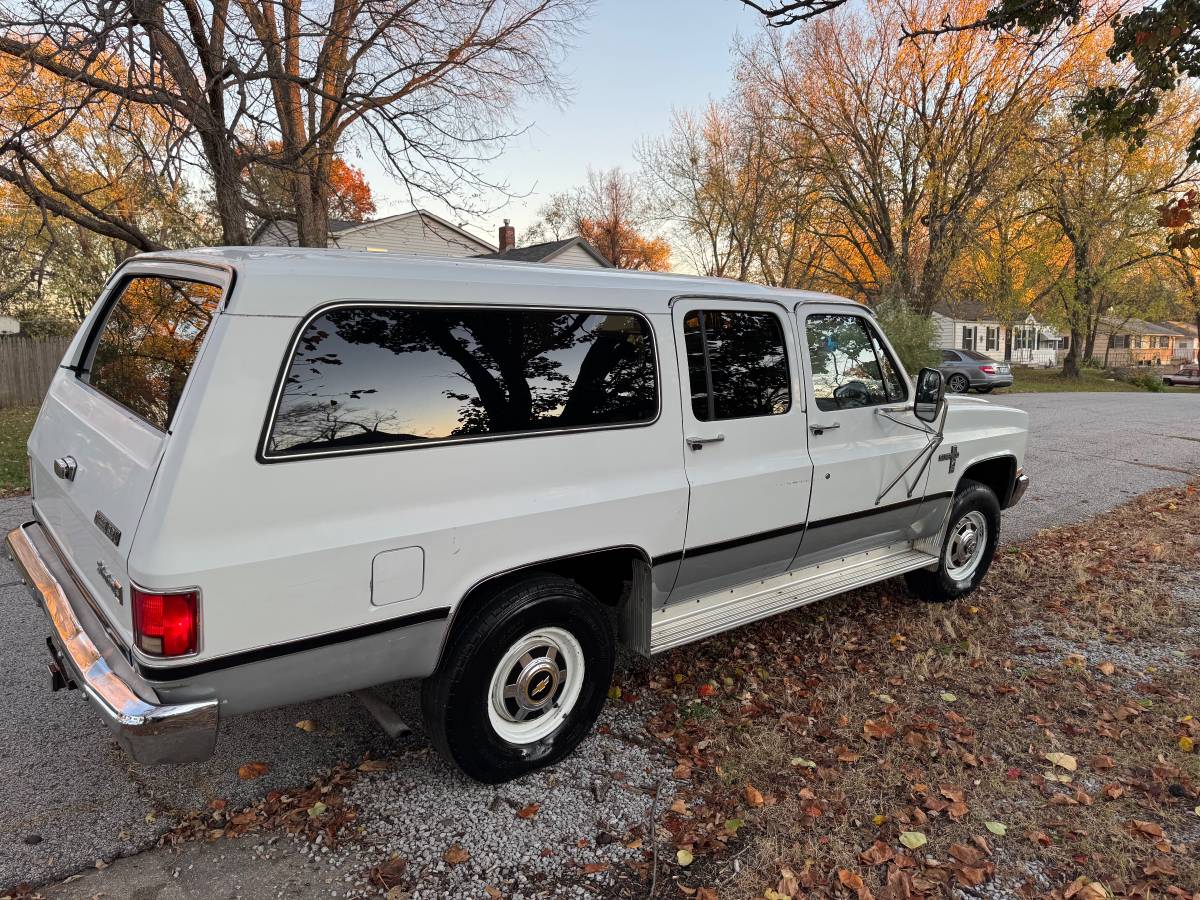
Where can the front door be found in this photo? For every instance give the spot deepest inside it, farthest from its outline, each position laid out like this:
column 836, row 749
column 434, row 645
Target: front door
column 862, row 437
column 744, row 443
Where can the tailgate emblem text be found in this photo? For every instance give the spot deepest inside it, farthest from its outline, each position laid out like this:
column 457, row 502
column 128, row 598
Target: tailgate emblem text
column 114, row 584
column 111, row 531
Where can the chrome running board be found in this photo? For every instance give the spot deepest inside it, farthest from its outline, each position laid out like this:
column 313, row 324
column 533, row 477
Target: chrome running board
column 692, row 620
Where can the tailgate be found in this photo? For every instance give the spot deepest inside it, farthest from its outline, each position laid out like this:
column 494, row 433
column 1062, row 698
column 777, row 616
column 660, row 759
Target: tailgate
column 107, row 418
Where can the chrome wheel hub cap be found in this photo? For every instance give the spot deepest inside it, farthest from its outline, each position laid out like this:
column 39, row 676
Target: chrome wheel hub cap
column 535, row 685
column 965, row 546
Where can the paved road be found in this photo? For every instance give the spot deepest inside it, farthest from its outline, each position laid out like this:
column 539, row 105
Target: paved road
column 70, row 797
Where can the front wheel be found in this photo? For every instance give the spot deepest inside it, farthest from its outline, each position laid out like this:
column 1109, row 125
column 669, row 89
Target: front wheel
column 958, row 383
column 522, row 682
column 968, row 548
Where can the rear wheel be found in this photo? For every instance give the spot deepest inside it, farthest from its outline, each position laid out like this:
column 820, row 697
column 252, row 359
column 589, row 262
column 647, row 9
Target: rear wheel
column 958, row 383
column 523, row 681
column 968, row 548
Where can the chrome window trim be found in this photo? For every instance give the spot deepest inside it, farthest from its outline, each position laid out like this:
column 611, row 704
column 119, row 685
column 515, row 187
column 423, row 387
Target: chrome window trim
column 263, row 456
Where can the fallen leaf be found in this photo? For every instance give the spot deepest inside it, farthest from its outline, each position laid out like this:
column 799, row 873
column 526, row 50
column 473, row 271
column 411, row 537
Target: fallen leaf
column 1147, row 829
column 374, row 765
column 913, row 839
column 880, row 730
column 1106, row 668
column 253, row 770
column 707, row 689
column 614, row 693
column 1186, row 744
column 997, row 828
column 1161, row 865
column 317, row 809
column 493, row 892
column 753, row 795
column 528, row 811
column 456, row 854
column 948, row 697
column 679, row 807
column 1063, row 761
column 307, row 725
column 684, row 857
column 803, row 763
column 851, row 880
column 593, row 868
column 732, row 825
column 705, row 893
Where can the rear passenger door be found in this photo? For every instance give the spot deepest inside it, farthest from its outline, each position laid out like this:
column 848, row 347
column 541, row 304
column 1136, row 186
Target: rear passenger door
column 743, row 442
column 862, row 438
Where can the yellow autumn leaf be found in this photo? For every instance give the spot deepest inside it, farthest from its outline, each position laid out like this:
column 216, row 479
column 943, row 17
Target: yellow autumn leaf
column 913, row 839
column 1186, row 744
column 684, row 857
column 1063, row 761
column 879, row 820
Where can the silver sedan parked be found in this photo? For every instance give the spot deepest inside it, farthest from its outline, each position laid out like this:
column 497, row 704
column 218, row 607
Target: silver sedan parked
column 966, row 369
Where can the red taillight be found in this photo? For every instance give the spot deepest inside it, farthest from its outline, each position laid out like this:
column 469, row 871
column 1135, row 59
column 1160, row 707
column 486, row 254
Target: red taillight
column 988, row 370
column 165, row 624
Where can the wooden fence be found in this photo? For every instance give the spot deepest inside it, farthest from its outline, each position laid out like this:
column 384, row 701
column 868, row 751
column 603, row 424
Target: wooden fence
column 26, row 367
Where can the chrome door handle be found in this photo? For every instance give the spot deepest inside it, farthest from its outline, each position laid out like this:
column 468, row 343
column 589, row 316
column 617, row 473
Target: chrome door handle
column 820, row 429
column 893, row 409
column 697, row 443
column 64, row 468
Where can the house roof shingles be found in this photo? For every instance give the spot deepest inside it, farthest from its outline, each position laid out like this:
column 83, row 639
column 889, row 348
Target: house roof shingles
column 546, row 252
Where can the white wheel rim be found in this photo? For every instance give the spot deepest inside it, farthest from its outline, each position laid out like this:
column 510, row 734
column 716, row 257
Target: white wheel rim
column 535, row 685
column 965, row 546
column 958, row 383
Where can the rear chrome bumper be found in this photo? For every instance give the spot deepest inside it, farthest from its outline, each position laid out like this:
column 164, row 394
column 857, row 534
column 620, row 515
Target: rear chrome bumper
column 150, row 731
column 1020, row 486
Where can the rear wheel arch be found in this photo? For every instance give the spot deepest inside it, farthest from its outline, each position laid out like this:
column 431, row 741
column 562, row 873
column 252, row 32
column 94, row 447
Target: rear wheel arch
column 608, row 574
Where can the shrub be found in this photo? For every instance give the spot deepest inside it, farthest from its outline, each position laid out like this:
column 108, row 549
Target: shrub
column 913, row 336
column 1146, row 380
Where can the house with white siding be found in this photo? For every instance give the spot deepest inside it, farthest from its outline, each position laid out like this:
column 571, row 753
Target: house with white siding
column 422, row 233
column 967, row 325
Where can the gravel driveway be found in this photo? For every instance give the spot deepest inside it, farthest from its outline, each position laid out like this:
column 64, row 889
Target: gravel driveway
column 71, row 797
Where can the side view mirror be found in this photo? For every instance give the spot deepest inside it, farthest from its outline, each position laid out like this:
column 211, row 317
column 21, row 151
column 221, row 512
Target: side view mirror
column 930, row 395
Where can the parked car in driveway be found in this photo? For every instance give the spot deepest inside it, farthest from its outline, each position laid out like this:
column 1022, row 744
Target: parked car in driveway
column 1189, row 375
column 267, row 476
column 965, row 370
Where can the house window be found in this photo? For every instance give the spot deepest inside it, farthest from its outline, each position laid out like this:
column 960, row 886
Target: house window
column 1119, row 342
column 370, row 377
column 993, row 339
column 968, row 337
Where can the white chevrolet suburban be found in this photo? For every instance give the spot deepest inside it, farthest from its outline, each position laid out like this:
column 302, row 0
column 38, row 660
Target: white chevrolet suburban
column 267, row 476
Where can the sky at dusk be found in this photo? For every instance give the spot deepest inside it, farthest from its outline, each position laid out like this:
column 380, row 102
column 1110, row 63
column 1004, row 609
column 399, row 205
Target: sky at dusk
column 633, row 62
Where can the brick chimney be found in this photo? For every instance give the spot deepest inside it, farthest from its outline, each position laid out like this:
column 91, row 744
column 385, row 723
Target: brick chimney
column 508, row 237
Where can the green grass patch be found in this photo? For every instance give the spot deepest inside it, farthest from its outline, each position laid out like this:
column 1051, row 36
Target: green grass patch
column 15, row 425
column 1043, row 381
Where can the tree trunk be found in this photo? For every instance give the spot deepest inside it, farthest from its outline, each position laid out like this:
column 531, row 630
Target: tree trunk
column 1071, row 363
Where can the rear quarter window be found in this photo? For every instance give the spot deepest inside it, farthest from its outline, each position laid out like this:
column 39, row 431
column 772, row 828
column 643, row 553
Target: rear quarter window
column 379, row 377
column 143, row 351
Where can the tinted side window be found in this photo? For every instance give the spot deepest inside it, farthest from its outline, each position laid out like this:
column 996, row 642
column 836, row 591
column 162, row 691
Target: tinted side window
column 737, row 365
column 371, row 376
column 145, row 349
column 850, row 367
column 949, row 356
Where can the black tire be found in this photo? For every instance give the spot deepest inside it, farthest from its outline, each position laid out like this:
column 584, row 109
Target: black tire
column 958, row 383
column 456, row 699
column 937, row 585
column 1168, row 382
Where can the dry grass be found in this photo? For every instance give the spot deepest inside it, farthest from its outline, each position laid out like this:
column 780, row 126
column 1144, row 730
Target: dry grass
column 875, row 714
